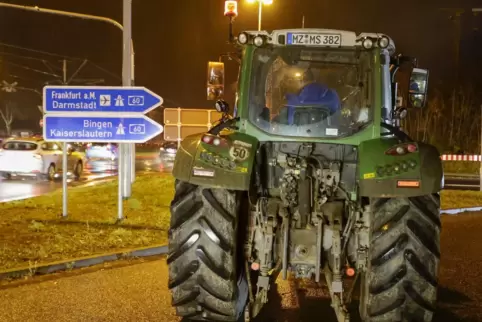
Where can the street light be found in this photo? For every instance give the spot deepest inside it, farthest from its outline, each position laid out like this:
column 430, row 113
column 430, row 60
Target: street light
column 260, row 9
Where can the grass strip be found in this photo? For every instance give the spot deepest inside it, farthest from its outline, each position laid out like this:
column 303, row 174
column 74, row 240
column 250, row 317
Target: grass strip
column 452, row 199
column 32, row 232
column 465, row 167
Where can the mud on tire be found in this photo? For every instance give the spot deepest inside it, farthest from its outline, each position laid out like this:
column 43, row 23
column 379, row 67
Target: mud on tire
column 205, row 280
column 402, row 277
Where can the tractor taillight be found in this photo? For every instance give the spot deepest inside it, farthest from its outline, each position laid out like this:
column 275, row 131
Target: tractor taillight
column 214, row 140
column 402, row 149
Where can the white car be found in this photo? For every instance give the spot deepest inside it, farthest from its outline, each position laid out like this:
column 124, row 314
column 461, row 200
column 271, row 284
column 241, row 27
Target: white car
column 101, row 151
column 34, row 157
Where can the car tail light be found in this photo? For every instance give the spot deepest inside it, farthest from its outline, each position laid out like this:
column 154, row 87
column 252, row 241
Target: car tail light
column 214, row 140
column 402, row 149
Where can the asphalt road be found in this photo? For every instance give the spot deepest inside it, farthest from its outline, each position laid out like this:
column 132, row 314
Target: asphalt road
column 94, row 170
column 137, row 290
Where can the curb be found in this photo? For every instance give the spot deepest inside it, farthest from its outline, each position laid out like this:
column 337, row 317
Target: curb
column 62, row 221
column 83, row 262
column 455, row 211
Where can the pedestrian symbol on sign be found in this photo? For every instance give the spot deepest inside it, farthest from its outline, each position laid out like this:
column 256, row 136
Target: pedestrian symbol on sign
column 119, row 101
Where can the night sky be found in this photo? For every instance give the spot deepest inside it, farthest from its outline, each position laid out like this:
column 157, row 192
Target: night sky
column 173, row 40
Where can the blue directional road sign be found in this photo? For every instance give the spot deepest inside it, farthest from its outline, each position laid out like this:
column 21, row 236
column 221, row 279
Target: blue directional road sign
column 94, row 128
column 100, row 99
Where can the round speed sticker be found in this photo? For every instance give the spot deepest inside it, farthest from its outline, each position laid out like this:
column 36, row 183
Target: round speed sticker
column 239, row 153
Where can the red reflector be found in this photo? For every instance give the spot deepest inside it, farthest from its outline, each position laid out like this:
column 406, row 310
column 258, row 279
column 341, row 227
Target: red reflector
column 411, row 148
column 408, row 184
column 207, row 139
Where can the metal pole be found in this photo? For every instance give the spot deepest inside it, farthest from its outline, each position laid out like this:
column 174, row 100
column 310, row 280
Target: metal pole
column 126, row 156
column 62, row 13
column 260, row 11
column 120, row 200
column 64, row 155
column 133, row 146
column 64, row 180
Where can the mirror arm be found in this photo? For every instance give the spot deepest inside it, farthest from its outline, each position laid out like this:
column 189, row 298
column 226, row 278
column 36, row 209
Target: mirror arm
column 231, row 56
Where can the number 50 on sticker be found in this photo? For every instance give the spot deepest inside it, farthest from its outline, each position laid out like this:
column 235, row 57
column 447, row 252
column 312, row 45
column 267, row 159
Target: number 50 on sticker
column 239, row 153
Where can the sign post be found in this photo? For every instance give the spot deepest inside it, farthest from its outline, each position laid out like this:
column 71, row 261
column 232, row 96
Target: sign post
column 125, row 150
column 99, row 114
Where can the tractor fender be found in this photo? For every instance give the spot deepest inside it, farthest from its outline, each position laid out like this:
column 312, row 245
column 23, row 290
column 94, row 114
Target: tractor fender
column 228, row 165
column 424, row 176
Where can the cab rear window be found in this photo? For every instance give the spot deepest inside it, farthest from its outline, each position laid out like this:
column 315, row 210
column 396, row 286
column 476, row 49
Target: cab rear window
column 20, row 146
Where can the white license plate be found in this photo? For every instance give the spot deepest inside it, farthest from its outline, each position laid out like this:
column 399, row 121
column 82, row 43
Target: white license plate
column 314, row 39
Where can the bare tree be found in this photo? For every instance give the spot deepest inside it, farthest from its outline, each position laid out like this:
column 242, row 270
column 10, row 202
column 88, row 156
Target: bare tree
column 7, row 112
column 451, row 121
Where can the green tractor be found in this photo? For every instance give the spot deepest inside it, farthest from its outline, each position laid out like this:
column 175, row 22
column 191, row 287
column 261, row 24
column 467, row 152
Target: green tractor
column 310, row 175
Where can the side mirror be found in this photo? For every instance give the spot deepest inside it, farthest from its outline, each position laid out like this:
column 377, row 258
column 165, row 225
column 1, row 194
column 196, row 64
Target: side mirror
column 222, row 107
column 417, row 92
column 215, row 81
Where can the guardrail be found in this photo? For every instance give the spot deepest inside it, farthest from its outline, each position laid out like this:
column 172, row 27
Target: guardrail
column 461, row 157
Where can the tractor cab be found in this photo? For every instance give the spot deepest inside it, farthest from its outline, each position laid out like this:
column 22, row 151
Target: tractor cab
column 321, row 83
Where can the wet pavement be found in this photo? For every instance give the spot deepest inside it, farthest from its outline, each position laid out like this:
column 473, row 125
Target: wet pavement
column 137, row 290
column 23, row 188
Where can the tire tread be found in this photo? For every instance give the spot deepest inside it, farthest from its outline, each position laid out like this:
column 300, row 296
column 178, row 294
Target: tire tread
column 202, row 263
column 404, row 259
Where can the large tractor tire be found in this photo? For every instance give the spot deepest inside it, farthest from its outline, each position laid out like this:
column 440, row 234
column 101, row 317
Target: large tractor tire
column 206, row 275
column 401, row 281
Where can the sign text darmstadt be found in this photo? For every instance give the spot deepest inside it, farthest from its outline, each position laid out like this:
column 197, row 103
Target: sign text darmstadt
column 99, row 99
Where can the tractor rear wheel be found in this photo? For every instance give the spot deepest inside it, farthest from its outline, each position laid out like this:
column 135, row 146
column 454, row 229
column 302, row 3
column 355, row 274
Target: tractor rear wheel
column 206, row 275
column 401, row 281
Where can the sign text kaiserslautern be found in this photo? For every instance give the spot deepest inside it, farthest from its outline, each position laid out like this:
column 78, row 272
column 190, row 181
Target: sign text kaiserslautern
column 100, row 99
column 93, row 128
